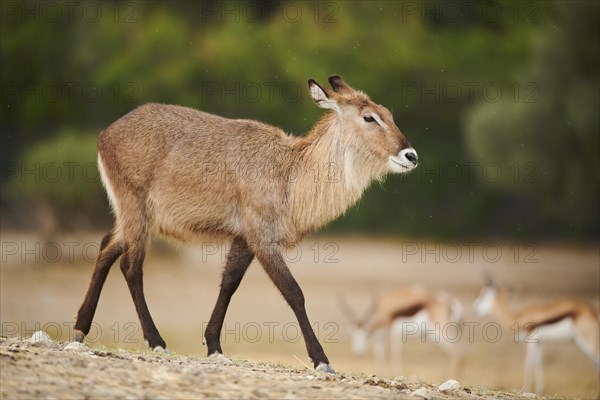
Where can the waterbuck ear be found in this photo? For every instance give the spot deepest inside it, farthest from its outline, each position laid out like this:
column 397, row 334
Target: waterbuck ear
column 320, row 96
column 338, row 84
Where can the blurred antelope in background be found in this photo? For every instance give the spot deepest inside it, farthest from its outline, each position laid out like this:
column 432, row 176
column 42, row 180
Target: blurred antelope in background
column 411, row 311
column 563, row 320
column 186, row 174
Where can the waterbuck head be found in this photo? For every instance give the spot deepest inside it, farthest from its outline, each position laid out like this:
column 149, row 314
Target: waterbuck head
column 371, row 124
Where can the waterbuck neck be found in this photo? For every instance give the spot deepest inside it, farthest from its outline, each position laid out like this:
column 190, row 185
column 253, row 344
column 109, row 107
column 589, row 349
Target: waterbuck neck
column 334, row 169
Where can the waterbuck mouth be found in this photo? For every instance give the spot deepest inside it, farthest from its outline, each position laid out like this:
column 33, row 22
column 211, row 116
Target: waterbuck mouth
column 405, row 161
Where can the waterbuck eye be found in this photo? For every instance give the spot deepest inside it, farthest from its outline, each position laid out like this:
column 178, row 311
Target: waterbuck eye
column 368, row 118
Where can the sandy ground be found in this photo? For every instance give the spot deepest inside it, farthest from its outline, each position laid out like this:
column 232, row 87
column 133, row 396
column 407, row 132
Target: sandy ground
column 42, row 286
column 54, row 370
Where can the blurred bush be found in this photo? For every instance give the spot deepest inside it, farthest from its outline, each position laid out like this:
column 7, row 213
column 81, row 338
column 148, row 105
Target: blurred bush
column 56, row 184
column 252, row 60
column 551, row 141
column 67, row 170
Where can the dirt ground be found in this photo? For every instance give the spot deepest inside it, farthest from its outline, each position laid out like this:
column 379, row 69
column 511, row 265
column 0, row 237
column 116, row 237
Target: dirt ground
column 53, row 370
column 42, row 286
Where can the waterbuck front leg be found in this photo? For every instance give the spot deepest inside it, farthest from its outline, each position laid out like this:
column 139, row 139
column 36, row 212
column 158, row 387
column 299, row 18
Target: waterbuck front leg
column 272, row 261
column 238, row 260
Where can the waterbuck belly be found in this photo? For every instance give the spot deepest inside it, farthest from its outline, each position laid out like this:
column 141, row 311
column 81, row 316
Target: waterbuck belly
column 196, row 220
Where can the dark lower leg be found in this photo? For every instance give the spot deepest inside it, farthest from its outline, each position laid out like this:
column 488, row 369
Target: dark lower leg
column 279, row 273
column 238, row 260
column 131, row 266
column 108, row 255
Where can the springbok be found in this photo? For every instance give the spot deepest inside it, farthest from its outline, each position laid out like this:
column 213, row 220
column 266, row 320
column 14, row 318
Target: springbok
column 410, row 311
column 557, row 321
column 185, row 174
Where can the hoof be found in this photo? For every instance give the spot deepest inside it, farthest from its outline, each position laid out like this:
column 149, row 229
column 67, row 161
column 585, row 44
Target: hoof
column 323, row 367
column 160, row 349
column 76, row 346
column 157, row 349
column 220, row 358
column 78, row 336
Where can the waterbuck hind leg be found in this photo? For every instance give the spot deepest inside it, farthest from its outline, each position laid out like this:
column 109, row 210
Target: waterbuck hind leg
column 131, row 266
column 109, row 252
column 274, row 264
column 238, row 260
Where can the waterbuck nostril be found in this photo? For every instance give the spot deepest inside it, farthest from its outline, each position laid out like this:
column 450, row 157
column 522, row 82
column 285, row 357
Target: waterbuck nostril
column 412, row 157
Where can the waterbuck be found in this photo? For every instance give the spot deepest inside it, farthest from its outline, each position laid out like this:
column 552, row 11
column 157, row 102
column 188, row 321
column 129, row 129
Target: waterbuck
column 186, row 174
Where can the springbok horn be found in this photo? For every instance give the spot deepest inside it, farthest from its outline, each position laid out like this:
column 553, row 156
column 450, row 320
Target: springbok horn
column 346, row 309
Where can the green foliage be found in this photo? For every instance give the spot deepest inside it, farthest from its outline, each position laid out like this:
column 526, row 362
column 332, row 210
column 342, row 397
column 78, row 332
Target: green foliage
column 60, row 173
column 556, row 136
column 411, row 61
column 62, row 168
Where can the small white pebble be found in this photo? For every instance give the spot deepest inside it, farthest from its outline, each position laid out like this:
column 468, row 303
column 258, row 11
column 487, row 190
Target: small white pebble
column 450, row 384
column 528, row 395
column 40, row 337
column 422, row 393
